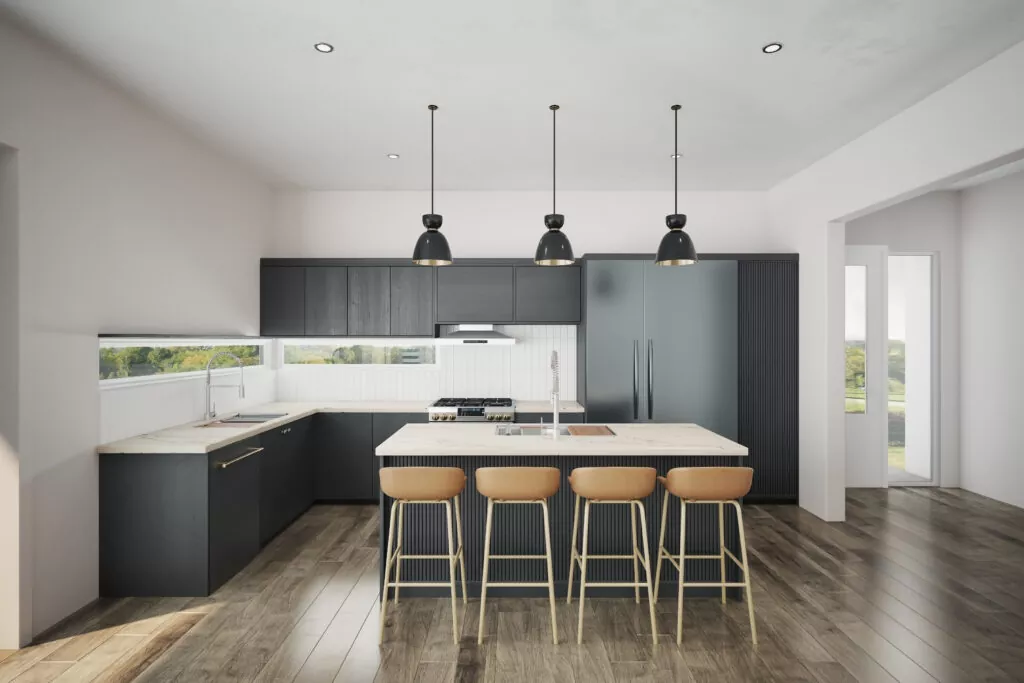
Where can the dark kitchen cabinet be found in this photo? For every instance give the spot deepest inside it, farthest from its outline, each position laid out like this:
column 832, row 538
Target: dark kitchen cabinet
column 343, row 464
column 412, row 301
column 476, row 294
column 326, row 301
column 548, row 418
column 547, row 294
column 283, row 301
column 369, row 301
column 234, row 523
column 286, row 477
column 384, row 426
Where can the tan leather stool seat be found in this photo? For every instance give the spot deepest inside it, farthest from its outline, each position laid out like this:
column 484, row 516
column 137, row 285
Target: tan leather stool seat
column 422, row 483
column 613, row 483
column 708, row 483
column 518, row 483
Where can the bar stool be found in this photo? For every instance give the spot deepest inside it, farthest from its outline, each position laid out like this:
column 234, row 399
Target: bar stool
column 707, row 486
column 607, row 486
column 428, row 486
column 517, row 485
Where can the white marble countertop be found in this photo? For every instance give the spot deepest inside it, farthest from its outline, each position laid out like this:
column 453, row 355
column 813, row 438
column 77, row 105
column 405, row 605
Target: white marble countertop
column 192, row 438
column 650, row 439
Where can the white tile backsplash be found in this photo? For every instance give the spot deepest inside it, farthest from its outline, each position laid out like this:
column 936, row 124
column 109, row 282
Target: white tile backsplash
column 520, row 371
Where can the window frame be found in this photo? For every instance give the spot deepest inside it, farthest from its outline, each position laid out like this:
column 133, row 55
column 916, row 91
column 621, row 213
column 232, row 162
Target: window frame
column 357, row 341
column 266, row 358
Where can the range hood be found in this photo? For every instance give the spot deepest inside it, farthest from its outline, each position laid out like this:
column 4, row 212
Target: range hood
column 475, row 334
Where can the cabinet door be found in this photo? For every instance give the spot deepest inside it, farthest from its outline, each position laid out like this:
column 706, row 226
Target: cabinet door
column 691, row 356
column 283, row 301
column 326, row 301
column 273, row 483
column 546, row 294
column 384, row 426
column 300, row 496
column 343, row 457
column 369, row 301
column 476, row 294
column 614, row 333
column 412, row 301
column 234, row 510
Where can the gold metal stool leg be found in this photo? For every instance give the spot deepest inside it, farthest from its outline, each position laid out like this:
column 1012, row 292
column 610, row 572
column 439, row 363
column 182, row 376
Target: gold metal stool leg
column 721, row 545
column 583, row 571
column 401, row 540
column 661, row 544
column 636, row 557
column 551, row 573
column 746, row 571
column 487, row 567
column 682, row 572
column 389, row 560
column 572, row 553
column 461, row 549
column 647, row 569
column 452, row 563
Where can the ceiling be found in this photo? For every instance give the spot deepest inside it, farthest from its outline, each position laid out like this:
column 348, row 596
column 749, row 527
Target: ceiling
column 243, row 75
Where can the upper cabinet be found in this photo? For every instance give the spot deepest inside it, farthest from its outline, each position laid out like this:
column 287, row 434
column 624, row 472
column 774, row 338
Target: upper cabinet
column 548, row 294
column 412, row 301
column 283, row 301
column 326, row 301
column 476, row 294
column 364, row 298
column 369, row 301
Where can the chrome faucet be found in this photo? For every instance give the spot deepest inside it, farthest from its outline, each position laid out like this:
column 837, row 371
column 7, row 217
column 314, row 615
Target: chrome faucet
column 211, row 408
column 554, row 393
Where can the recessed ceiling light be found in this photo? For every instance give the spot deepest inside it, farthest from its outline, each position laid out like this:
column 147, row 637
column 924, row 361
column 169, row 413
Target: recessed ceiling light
column 392, row 156
column 771, row 48
column 324, row 47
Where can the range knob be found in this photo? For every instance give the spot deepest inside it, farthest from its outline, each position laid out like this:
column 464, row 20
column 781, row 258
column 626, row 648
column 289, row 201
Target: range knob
column 490, row 417
column 450, row 417
column 433, row 417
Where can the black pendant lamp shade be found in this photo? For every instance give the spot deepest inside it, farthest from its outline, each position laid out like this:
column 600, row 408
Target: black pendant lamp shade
column 676, row 248
column 554, row 248
column 432, row 247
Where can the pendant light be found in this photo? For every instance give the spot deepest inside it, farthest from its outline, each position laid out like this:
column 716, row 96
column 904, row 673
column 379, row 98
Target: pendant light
column 432, row 247
column 676, row 248
column 554, row 248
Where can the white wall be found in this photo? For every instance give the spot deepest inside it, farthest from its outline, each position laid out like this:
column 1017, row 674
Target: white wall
column 520, row 371
column 930, row 223
column 509, row 224
column 127, row 224
column 993, row 329
column 972, row 124
column 10, row 536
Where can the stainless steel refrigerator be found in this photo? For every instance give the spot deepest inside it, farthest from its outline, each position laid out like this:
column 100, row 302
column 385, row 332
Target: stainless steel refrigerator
column 661, row 342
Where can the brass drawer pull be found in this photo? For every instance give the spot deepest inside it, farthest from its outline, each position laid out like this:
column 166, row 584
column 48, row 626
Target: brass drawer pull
column 243, row 456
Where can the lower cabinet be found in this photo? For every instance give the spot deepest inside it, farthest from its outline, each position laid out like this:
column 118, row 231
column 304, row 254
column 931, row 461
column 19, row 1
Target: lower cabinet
column 563, row 418
column 343, row 466
column 286, row 477
column 234, row 511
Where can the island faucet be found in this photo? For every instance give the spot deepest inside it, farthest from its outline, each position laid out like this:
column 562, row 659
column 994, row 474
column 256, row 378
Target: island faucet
column 211, row 408
column 554, row 393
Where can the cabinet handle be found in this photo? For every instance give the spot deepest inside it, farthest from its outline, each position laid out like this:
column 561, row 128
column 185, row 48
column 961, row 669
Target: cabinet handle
column 650, row 379
column 636, row 379
column 228, row 463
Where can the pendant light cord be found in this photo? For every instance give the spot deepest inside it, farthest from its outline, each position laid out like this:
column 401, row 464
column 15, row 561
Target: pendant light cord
column 675, row 158
column 432, row 108
column 554, row 155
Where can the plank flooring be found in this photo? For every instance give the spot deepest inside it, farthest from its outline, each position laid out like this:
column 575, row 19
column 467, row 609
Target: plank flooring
column 918, row 585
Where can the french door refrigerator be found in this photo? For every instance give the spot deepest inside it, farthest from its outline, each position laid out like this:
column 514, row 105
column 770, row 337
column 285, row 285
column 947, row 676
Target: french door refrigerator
column 661, row 342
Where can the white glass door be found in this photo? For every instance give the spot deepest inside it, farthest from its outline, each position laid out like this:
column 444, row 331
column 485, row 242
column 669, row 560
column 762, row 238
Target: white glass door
column 866, row 373
column 911, row 369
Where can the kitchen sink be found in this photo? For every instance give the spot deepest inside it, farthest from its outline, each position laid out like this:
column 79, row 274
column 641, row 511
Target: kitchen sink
column 530, row 430
column 244, row 419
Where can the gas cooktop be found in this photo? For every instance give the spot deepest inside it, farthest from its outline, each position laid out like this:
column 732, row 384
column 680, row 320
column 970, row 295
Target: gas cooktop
column 472, row 409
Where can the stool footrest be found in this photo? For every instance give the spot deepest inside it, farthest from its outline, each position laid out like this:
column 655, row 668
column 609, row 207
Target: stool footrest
column 516, row 584
column 517, row 557
column 420, row 584
column 674, row 559
column 712, row 584
column 617, row 584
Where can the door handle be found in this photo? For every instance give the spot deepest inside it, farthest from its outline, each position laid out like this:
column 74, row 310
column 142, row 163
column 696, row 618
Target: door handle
column 228, row 463
column 650, row 379
column 636, row 379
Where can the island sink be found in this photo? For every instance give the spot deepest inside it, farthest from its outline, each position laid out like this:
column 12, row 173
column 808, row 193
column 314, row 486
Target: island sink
column 530, row 430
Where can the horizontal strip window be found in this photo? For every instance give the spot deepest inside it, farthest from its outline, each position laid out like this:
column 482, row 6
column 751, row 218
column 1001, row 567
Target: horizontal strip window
column 409, row 352
column 127, row 359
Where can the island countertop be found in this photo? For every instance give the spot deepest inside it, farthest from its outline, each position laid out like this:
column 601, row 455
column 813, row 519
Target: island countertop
column 644, row 439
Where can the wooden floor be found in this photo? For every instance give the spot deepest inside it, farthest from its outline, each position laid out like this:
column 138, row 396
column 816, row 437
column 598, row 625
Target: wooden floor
column 918, row 585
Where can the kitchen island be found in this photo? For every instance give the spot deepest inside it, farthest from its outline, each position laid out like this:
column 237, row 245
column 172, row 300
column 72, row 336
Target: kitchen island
column 517, row 527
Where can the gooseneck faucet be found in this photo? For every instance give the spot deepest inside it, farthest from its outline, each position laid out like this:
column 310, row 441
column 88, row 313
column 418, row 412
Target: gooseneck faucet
column 211, row 408
column 554, row 394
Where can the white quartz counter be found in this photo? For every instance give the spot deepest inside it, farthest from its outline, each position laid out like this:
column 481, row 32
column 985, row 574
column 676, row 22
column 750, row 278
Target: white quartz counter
column 630, row 439
column 191, row 438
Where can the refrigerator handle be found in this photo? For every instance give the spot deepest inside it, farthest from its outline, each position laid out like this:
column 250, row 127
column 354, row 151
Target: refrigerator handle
column 650, row 379
column 636, row 379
